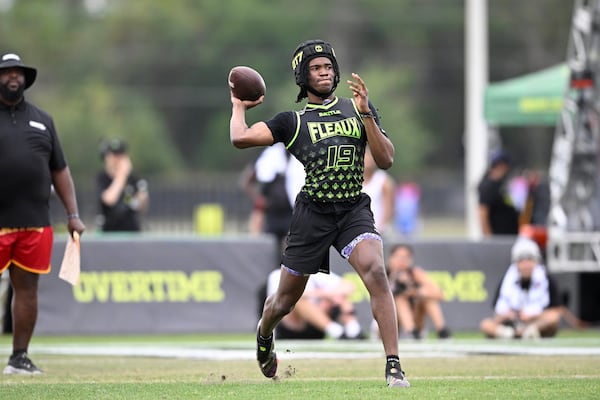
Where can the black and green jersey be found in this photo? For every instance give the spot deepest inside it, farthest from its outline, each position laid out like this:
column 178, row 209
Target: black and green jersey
column 329, row 140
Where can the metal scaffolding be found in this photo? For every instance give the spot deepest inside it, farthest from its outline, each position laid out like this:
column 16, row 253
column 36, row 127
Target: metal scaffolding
column 574, row 219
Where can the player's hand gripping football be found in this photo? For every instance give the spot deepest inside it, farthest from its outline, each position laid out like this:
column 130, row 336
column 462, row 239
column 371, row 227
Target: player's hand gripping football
column 360, row 93
column 248, row 104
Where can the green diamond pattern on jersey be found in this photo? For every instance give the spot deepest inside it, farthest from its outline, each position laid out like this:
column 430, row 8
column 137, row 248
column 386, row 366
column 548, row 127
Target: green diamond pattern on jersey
column 330, row 142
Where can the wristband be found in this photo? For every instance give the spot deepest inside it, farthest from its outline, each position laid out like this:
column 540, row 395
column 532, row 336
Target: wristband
column 73, row 216
column 367, row 114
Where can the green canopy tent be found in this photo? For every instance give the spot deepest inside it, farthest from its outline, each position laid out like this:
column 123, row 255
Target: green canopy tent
column 532, row 99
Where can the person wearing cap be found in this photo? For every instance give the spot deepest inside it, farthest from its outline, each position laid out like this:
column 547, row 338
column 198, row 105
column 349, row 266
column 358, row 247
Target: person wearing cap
column 122, row 196
column 328, row 136
column 32, row 162
column 527, row 304
column 497, row 213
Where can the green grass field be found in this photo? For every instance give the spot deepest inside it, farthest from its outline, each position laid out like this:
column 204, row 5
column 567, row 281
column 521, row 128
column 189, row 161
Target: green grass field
column 222, row 367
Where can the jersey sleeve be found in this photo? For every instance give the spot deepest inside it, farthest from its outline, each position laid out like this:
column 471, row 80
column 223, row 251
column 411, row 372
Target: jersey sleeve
column 283, row 126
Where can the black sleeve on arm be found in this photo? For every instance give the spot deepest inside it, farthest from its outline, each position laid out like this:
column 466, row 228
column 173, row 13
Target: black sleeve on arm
column 283, row 126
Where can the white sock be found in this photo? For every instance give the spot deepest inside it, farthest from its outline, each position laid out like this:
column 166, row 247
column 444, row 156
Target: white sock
column 334, row 330
column 352, row 328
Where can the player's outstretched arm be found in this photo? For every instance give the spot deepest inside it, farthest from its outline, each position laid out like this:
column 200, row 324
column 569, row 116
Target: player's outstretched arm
column 381, row 147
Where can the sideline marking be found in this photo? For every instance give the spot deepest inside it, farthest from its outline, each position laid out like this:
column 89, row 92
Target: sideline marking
column 327, row 349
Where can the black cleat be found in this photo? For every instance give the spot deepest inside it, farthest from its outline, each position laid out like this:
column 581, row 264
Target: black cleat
column 394, row 376
column 267, row 359
column 21, row 364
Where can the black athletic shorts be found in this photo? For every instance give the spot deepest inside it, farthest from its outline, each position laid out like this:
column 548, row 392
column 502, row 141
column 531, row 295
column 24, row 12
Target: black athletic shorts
column 316, row 227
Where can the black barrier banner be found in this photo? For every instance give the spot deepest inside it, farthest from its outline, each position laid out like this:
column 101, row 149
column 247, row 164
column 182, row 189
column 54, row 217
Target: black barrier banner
column 158, row 286
column 195, row 285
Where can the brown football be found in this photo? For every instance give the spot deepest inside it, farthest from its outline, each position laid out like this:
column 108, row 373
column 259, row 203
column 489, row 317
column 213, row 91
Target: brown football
column 246, row 83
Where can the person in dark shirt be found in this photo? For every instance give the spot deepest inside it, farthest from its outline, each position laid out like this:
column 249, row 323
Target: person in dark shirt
column 497, row 214
column 31, row 163
column 329, row 137
column 122, row 196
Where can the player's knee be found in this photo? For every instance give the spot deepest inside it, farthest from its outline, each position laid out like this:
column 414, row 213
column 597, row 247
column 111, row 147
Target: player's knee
column 376, row 277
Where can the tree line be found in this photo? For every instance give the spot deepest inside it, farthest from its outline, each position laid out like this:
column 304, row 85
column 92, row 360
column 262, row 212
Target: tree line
column 155, row 72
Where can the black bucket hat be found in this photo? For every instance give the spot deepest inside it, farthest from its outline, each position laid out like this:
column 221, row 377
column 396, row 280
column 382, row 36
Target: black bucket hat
column 11, row 60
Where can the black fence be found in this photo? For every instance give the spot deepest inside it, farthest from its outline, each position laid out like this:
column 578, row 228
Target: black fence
column 173, row 202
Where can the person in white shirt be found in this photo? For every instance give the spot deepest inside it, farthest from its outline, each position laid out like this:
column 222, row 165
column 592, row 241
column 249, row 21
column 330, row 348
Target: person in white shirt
column 380, row 187
column 324, row 310
column 527, row 304
column 276, row 160
column 281, row 176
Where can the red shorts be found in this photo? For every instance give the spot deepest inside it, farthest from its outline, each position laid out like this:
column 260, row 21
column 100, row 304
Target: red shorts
column 27, row 248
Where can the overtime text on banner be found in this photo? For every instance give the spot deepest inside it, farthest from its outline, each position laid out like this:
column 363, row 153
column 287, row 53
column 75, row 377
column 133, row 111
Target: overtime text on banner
column 195, row 285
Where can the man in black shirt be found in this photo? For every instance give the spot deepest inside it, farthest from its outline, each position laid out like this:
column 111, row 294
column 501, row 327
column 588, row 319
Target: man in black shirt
column 328, row 137
column 31, row 163
column 497, row 214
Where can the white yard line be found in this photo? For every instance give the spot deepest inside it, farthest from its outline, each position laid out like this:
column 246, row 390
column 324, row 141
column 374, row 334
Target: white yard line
column 325, row 349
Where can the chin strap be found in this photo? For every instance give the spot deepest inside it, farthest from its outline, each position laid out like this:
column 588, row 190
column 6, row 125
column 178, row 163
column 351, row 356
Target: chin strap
column 321, row 95
column 303, row 89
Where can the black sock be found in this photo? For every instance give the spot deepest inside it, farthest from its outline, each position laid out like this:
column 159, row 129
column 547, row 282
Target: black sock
column 265, row 340
column 19, row 352
column 392, row 359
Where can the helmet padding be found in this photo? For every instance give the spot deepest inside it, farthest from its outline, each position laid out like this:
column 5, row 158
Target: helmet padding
column 305, row 52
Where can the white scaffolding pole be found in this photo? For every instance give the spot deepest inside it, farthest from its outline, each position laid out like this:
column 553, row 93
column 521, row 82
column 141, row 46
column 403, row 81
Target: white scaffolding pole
column 476, row 131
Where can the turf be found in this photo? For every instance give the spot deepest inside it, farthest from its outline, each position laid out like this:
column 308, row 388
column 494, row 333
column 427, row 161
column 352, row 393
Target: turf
column 450, row 375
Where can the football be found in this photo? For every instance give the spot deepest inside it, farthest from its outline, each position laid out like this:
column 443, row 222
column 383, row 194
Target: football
column 246, row 83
